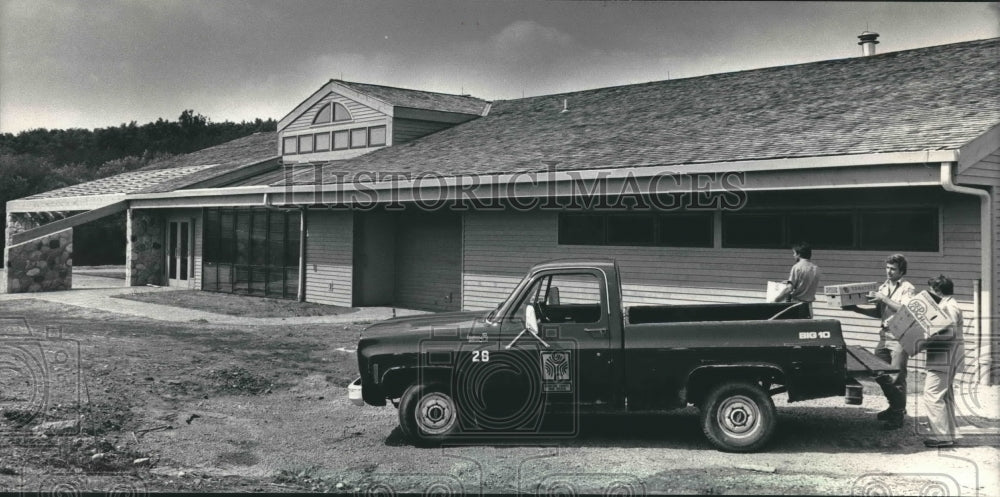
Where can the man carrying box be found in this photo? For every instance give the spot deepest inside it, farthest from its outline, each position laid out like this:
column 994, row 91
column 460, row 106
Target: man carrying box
column 945, row 357
column 891, row 295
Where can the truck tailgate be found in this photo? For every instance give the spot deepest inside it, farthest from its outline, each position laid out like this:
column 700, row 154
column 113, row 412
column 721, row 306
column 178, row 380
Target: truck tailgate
column 861, row 362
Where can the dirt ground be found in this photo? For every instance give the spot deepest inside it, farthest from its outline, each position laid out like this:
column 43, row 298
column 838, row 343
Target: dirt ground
column 237, row 305
column 197, row 407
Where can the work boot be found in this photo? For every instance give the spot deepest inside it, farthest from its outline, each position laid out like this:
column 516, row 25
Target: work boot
column 888, row 414
column 894, row 420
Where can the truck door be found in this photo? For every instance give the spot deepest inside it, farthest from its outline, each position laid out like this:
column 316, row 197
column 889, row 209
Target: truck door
column 573, row 346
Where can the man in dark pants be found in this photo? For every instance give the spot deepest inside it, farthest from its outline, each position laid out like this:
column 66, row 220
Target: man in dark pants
column 891, row 295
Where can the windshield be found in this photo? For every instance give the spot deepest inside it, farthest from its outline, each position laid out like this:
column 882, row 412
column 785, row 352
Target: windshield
column 495, row 314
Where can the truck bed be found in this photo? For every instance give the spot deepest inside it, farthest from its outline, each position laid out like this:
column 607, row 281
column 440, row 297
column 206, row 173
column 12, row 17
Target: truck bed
column 717, row 312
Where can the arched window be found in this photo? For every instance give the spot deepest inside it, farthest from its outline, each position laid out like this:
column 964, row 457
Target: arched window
column 332, row 112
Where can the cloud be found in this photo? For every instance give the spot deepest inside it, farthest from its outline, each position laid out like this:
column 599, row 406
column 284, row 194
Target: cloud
column 521, row 36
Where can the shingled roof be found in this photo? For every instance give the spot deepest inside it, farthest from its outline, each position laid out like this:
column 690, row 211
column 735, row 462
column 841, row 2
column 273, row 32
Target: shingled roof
column 417, row 99
column 935, row 98
column 179, row 171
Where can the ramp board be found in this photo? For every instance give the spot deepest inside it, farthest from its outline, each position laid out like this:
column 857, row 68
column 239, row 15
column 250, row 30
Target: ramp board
column 861, row 362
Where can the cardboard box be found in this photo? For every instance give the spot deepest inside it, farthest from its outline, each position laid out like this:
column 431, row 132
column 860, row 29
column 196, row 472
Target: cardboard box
column 773, row 289
column 849, row 293
column 919, row 318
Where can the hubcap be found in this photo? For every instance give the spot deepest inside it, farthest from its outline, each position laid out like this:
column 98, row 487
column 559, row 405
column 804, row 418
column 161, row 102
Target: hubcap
column 739, row 417
column 435, row 413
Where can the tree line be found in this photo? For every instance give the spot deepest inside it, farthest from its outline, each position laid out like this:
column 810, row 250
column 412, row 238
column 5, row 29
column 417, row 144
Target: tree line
column 40, row 160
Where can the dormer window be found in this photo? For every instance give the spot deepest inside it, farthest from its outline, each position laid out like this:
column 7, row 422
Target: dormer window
column 331, row 113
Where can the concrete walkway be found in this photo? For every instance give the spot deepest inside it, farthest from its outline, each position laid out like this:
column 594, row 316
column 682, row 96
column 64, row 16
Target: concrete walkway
column 95, row 292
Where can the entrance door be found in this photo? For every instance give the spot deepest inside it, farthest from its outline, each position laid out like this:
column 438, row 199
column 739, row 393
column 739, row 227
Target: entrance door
column 180, row 267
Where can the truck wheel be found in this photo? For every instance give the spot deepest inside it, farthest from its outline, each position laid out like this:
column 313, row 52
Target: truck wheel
column 738, row 417
column 427, row 414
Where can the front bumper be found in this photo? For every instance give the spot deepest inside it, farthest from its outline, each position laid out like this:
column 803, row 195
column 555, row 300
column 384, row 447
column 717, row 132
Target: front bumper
column 354, row 393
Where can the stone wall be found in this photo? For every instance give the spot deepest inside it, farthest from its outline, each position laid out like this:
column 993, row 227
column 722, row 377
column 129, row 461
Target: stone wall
column 146, row 253
column 43, row 264
column 18, row 222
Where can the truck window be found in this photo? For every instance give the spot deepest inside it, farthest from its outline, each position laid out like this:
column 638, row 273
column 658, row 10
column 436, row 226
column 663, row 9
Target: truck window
column 564, row 298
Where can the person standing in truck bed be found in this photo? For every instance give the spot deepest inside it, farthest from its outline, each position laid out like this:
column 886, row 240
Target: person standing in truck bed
column 891, row 295
column 803, row 279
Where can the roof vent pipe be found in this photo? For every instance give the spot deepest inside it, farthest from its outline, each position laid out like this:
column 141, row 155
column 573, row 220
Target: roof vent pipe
column 565, row 105
column 868, row 42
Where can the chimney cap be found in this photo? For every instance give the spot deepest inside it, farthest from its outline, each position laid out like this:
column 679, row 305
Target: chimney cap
column 868, row 37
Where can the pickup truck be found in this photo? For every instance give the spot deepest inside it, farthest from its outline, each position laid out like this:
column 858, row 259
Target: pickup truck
column 562, row 344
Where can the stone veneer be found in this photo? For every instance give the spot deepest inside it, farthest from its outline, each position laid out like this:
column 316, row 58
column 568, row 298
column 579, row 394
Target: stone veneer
column 145, row 254
column 39, row 265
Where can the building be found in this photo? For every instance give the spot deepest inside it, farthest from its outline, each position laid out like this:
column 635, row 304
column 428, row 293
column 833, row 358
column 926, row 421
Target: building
column 370, row 195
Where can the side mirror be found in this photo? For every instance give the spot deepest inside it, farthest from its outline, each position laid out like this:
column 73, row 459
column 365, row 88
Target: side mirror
column 531, row 319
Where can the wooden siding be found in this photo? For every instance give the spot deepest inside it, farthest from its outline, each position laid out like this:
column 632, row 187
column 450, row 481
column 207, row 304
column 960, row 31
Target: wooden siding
column 984, row 172
column 499, row 247
column 360, row 114
column 404, row 130
column 987, row 173
column 428, row 261
column 329, row 254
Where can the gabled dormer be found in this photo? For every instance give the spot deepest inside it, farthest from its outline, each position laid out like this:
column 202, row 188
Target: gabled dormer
column 344, row 119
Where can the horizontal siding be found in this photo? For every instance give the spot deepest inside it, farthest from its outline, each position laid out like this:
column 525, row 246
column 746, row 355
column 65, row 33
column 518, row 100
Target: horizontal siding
column 428, row 261
column 404, row 130
column 499, row 247
column 987, row 172
column 329, row 257
column 360, row 114
column 984, row 172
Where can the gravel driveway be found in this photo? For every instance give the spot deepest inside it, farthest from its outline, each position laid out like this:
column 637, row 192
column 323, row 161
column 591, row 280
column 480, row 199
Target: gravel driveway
column 170, row 406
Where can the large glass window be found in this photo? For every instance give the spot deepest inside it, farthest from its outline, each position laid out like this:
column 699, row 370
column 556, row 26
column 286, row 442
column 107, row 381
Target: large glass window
column 912, row 229
column 251, row 252
column 637, row 229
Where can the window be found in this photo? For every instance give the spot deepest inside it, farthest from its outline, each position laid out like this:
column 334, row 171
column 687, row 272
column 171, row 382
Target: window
column 638, row 229
column 828, row 230
column 629, row 229
column 753, row 230
column 324, row 115
column 913, row 229
column 341, row 140
column 251, row 252
column 564, row 298
column 288, row 145
column 376, row 136
column 340, row 113
column 359, row 138
column 686, row 230
column 581, row 229
column 322, row 141
column 332, row 112
column 305, row 144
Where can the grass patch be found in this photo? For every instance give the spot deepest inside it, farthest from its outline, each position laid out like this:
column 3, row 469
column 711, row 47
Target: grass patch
column 237, row 305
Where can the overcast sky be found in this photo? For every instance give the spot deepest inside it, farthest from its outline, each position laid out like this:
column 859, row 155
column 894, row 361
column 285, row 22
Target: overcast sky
column 98, row 63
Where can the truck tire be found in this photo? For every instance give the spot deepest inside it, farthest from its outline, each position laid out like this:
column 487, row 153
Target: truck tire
column 738, row 417
column 428, row 414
